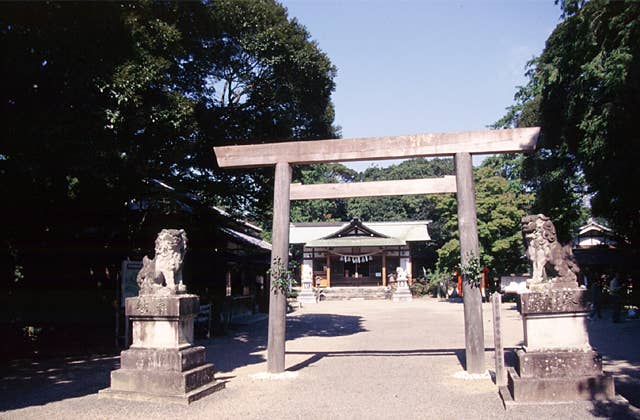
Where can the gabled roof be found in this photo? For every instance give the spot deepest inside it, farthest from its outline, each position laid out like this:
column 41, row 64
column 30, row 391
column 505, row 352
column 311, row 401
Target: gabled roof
column 357, row 233
column 355, row 228
column 594, row 234
column 593, row 226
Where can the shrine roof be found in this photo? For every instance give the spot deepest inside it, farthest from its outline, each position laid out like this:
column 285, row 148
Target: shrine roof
column 357, row 233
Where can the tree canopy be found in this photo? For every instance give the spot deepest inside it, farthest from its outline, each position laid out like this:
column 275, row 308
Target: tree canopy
column 501, row 202
column 584, row 91
column 99, row 99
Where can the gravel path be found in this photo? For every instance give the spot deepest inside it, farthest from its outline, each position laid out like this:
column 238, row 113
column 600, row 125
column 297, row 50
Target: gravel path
column 357, row 359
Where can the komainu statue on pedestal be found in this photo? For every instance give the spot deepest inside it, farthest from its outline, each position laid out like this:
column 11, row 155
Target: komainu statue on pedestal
column 163, row 275
column 162, row 364
column 554, row 265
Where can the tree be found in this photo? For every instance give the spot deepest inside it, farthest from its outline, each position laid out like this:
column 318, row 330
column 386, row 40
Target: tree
column 98, row 100
column 399, row 208
column 501, row 203
column 584, row 91
column 321, row 210
column 242, row 73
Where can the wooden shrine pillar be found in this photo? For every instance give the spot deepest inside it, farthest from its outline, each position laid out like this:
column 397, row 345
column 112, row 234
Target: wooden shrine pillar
column 468, row 230
column 279, row 254
column 384, row 268
column 328, row 269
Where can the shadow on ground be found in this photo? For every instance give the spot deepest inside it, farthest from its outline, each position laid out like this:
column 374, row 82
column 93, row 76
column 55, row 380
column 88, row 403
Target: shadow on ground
column 25, row 383
column 619, row 345
column 244, row 347
column 323, row 325
column 614, row 410
column 317, row 356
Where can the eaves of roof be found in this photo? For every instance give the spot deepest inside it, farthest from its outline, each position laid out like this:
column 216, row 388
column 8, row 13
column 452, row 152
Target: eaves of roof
column 351, row 241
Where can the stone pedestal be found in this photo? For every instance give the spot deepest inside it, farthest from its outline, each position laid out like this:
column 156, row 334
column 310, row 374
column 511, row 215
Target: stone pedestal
column 162, row 364
column 556, row 362
column 307, row 294
column 402, row 293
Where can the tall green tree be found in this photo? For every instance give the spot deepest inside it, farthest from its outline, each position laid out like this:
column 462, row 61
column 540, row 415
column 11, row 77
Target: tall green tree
column 501, row 202
column 584, row 91
column 402, row 207
column 321, row 210
column 98, row 98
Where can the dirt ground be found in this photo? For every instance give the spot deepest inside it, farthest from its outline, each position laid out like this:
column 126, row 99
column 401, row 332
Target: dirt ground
column 353, row 359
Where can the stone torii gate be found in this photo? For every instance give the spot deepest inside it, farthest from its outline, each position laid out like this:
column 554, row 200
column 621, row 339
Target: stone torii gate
column 460, row 145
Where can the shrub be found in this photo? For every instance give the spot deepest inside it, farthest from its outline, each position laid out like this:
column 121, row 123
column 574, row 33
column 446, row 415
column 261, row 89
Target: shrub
column 428, row 284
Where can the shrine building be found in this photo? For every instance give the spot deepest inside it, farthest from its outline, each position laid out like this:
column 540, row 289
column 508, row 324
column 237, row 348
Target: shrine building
column 353, row 254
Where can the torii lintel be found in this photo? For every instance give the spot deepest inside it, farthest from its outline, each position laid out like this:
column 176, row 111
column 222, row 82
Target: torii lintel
column 379, row 148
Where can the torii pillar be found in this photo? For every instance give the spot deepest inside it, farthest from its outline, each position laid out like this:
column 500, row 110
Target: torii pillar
column 468, row 232
column 279, row 253
column 460, row 145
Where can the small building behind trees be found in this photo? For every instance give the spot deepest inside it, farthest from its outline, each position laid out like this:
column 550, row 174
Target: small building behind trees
column 599, row 249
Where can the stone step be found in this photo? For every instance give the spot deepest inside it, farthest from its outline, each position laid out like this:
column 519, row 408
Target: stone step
column 159, row 382
column 355, row 293
column 563, row 388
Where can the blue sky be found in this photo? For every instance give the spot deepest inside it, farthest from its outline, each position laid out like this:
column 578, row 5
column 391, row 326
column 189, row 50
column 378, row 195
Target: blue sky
column 407, row 67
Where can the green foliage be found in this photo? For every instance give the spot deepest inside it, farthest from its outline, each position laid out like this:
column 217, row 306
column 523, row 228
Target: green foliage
column 472, row 269
column 428, row 284
column 501, row 202
column 420, row 287
column 321, row 210
column 410, row 169
column 584, row 92
column 282, row 276
column 99, row 99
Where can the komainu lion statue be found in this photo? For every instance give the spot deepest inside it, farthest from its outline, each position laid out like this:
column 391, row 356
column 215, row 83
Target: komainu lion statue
column 554, row 265
column 163, row 275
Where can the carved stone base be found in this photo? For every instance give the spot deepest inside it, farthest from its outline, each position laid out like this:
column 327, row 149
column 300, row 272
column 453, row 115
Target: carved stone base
column 549, row 364
column 402, row 294
column 163, row 365
column 162, row 322
column 559, row 389
column 556, row 331
column 307, row 298
column 554, row 301
column 307, row 295
column 184, row 399
column 557, row 363
column 163, row 375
